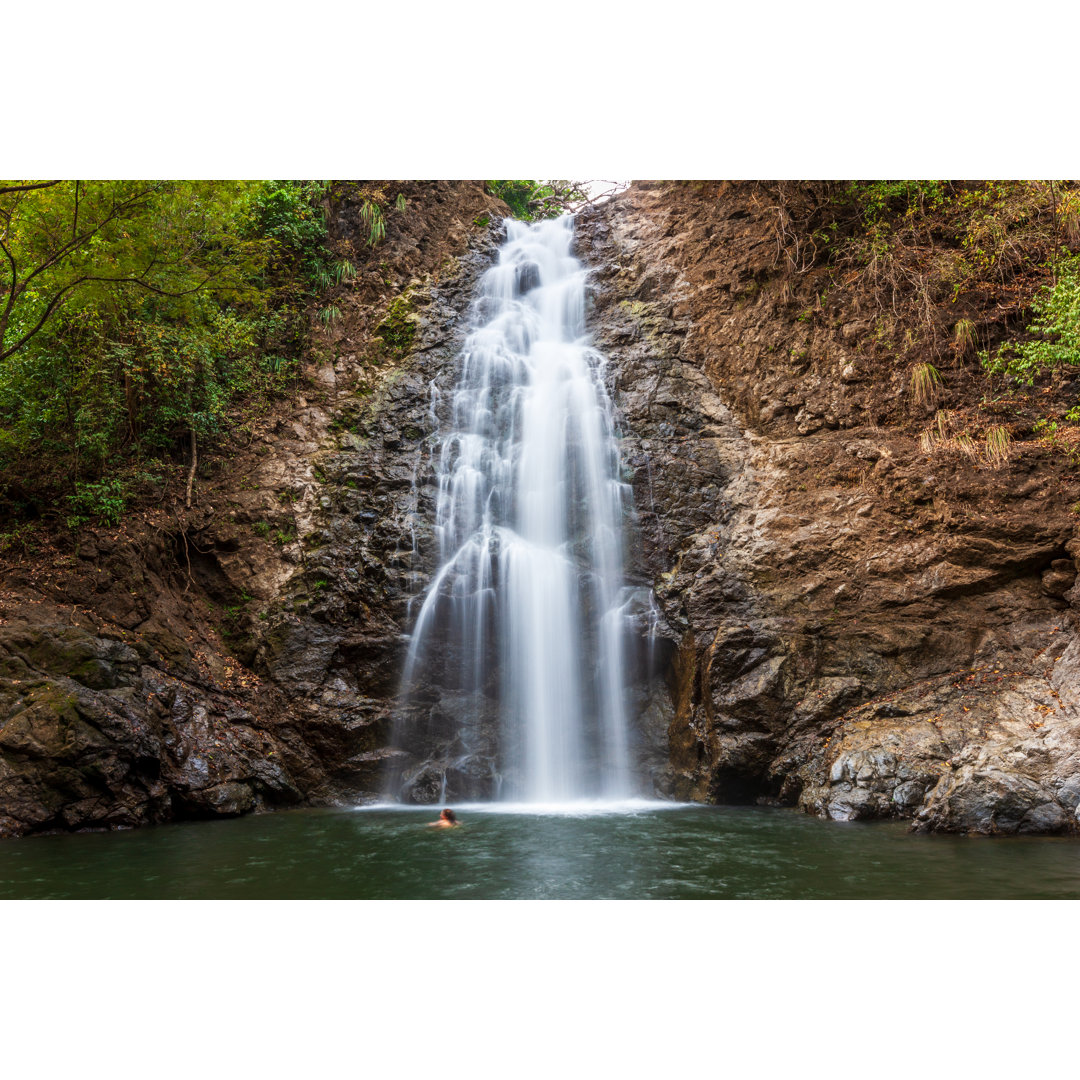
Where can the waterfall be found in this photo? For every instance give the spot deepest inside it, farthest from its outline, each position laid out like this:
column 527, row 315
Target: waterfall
column 523, row 622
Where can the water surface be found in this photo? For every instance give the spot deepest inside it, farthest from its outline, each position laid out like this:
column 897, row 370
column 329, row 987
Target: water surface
column 640, row 851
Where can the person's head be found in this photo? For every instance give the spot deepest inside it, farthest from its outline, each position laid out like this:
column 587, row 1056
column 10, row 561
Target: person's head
column 449, row 815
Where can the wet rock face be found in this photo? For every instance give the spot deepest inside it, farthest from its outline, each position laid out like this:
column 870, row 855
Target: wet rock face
column 336, row 642
column 98, row 734
column 852, row 627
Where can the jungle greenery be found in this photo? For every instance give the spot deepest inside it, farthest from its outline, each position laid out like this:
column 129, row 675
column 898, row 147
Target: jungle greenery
column 532, row 200
column 135, row 316
column 1056, row 326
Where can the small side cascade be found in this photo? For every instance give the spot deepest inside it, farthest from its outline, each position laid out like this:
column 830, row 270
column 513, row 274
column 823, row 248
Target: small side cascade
column 523, row 624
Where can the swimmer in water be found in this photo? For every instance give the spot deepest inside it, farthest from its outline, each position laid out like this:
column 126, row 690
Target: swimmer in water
column 447, row 820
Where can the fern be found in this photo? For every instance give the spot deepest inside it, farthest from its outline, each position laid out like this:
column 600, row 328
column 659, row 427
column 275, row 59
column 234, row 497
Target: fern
column 371, row 216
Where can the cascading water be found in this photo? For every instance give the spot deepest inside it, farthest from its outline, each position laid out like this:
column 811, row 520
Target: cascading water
column 525, row 615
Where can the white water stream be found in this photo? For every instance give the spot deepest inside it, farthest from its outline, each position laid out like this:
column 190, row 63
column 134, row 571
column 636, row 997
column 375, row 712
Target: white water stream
column 529, row 591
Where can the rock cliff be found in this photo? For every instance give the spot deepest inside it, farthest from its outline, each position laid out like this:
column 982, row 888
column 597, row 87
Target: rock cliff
column 854, row 625
column 847, row 621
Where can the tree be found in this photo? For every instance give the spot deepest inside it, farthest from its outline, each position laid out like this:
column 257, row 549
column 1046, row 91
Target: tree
column 531, row 200
column 65, row 240
column 134, row 314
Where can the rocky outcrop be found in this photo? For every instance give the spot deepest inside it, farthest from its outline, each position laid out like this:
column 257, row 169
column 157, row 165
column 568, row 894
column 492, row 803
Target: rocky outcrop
column 103, row 729
column 852, row 625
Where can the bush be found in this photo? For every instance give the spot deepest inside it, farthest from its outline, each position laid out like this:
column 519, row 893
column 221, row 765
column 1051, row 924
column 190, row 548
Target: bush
column 289, row 214
column 1056, row 320
column 104, row 500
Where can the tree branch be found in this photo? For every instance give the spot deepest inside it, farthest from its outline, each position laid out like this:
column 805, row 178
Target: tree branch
column 28, row 187
column 191, row 471
column 62, row 294
column 53, row 304
column 11, row 292
column 66, row 249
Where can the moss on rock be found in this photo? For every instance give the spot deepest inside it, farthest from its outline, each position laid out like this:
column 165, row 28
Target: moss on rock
column 398, row 329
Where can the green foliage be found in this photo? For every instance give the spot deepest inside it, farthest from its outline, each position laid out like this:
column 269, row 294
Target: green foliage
column 20, row 535
column 104, row 500
column 232, row 613
column 69, row 245
column 136, row 314
column 531, row 200
column 289, row 213
column 371, row 216
column 1056, row 321
column 880, row 198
